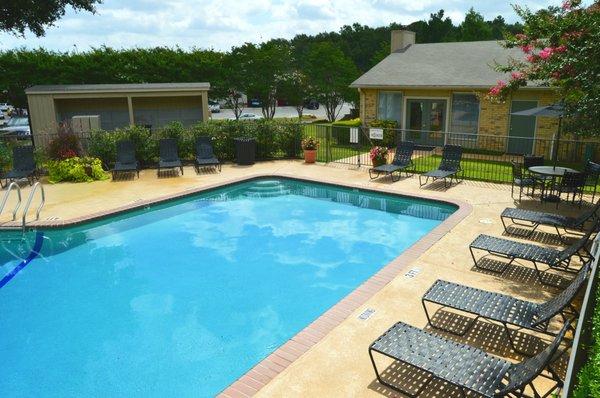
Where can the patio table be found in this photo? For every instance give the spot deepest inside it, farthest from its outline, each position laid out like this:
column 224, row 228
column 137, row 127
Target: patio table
column 553, row 173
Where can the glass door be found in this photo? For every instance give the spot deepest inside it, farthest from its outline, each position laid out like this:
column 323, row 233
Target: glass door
column 426, row 120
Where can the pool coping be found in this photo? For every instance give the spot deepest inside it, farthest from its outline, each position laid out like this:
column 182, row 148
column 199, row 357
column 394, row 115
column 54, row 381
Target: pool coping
column 268, row 368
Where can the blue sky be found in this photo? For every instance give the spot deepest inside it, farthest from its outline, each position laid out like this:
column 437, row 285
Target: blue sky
column 221, row 24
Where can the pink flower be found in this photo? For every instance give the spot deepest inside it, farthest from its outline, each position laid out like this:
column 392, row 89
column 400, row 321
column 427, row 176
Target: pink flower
column 521, row 36
column 532, row 58
column 501, row 84
column 517, row 75
column 567, row 5
column 527, row 48
column 560, row 49
column 546, row 53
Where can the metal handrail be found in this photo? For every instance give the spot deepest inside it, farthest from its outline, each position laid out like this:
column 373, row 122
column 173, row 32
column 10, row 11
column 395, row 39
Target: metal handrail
column 30, row 198
column 13, row 185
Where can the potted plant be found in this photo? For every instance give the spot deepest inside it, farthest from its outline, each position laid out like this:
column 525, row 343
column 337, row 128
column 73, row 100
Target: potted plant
column 310, row 146
column 378, row 155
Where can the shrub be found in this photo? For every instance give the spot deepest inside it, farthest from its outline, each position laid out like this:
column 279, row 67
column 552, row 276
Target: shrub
column 103, row 144
column 389, row 131
column 65, row 145
column 5, row 157
column 184, row 137
column 74, row 170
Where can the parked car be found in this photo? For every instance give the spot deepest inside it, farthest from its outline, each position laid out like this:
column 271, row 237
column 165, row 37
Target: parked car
column 214, row 106
column 249, row 116
column 3, row 119
column 311, row 104
column 17, row 127
column 4, row 107
column 254, row 103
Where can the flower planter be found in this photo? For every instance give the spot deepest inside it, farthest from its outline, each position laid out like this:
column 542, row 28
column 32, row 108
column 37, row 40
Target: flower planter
column 378, row 162
column 310, row 155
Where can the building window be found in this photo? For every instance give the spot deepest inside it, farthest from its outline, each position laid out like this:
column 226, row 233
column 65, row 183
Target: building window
column 390, row 106
column 465, row 114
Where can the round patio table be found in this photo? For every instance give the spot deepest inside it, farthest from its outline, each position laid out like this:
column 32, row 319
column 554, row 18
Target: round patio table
column 553, row 173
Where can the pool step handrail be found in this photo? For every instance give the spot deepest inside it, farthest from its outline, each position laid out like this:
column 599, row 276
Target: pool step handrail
column 15, row 186
column 36, row 186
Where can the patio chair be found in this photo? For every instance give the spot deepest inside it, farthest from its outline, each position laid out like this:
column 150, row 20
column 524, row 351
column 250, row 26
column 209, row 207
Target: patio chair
column 504, row 309
column 468, row 368
column 513, row 250
column 126, row 161
column 532, row 219
column 23, row 165
column 519, row 180
column 572, row 183
column 531, row 161
column 402, row 161
column 592, row 176
column 168, row 157
column 449, row 166
column 205, row 154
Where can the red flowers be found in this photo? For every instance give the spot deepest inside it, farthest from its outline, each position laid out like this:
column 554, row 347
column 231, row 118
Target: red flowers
column 517, row 75
column 497, row 89
column 546, row 53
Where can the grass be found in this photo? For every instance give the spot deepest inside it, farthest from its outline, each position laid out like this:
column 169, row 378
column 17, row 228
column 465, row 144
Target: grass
column 589, row 377
column 473, row 169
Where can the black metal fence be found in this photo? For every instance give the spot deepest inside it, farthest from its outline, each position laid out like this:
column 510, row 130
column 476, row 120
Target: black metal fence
column 486, row 157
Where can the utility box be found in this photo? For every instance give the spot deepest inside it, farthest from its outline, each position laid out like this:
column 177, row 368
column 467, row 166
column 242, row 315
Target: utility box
column 85, row 123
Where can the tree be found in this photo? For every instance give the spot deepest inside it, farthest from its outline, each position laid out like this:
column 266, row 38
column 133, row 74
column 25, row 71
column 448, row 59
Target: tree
column 330, row 73
column 562, row 48
column 16, row 16
column 474, row 27
column 293, row 87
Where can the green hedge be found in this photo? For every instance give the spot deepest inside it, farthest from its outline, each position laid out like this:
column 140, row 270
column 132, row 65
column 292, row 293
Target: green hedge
column 389, row 131
column 275, row 139
column 589, row 376
column 340, row 131
column 5, row 156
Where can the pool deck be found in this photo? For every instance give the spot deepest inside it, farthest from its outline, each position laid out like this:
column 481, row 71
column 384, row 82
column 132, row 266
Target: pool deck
column 330, row 358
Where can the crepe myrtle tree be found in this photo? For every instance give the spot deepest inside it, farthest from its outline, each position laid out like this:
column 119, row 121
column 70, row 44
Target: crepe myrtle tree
column 293, row 87
column 561, row 45
column 330, row 72
column 17, row 16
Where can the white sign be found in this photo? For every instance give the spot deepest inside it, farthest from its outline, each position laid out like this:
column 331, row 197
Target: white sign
column 376, row 134
column 354, row 135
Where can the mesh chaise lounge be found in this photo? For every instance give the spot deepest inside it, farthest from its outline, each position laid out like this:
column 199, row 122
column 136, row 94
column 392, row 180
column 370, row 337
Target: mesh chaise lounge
column 402, row 161
column 126, row 161
column 532, row 219
column 449, row 166
column 168, row 157
column 23, row 165
column 468, row 368
column 502, row 308
column 205, row 155
column 512, row 250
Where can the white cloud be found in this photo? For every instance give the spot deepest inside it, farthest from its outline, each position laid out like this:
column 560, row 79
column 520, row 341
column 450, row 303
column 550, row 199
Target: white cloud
column 220, row 24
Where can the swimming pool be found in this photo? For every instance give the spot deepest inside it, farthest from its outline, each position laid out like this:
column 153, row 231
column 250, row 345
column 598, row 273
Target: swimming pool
column 182, row 298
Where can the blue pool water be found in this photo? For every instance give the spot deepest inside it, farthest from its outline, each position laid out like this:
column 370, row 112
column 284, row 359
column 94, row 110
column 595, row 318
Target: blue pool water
column 183, row 298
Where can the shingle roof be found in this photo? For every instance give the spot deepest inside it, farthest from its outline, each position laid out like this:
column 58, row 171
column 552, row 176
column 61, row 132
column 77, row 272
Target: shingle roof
column 461, row 64
column 100, row 88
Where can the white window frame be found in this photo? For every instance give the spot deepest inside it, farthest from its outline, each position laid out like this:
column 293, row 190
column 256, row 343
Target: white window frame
column 391, row 92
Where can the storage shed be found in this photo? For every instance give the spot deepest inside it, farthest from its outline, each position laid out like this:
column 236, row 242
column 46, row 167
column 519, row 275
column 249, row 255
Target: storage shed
column 117, row 105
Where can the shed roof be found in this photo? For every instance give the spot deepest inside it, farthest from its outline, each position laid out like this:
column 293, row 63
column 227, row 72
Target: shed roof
column 460, row 64
column 116, row 88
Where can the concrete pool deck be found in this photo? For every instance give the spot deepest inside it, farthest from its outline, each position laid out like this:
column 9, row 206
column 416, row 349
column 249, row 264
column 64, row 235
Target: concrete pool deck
column 334, row 361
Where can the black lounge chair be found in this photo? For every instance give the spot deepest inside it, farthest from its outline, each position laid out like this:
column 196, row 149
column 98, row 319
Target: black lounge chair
column 449, row 166
column 468, row 368
column 512, row 250
column 504, row 309
column 402, row 161
column 168, row 157
column 126, row 161
column 23, row 165
column 532, row 219
column 205, row 155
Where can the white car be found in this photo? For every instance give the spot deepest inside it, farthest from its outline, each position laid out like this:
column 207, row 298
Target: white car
column 4, row 107
column 214, row 107
column 17, row 127
column 249, row 116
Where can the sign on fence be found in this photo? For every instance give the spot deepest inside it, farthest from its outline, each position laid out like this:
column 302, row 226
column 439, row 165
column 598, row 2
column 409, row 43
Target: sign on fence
column 354, row 135
column 376, row 134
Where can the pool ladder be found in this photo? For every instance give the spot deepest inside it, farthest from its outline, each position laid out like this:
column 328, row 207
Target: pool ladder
column 14, row 186
column 36, row 186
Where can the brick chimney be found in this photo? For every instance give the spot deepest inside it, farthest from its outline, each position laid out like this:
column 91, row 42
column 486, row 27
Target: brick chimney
column 401, row 39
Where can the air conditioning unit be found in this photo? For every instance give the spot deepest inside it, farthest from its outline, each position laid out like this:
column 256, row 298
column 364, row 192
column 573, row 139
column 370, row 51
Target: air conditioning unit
column 85, row 123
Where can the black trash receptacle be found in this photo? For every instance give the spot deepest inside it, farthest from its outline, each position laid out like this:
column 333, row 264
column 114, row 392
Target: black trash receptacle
column 245, row 151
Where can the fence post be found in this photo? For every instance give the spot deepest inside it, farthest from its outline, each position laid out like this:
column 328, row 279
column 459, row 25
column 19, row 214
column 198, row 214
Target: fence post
column 327, row 144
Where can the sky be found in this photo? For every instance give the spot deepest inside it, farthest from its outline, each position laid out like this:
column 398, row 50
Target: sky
column 221, row 24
